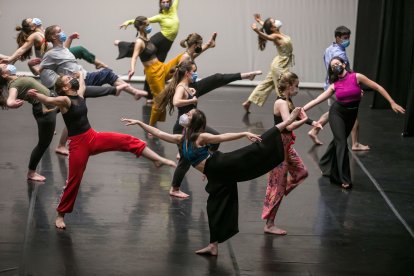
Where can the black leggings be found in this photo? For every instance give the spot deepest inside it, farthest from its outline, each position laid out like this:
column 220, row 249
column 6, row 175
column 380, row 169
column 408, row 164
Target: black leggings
column 202, row 87
column 45, row 129
column 335, row 161
column 224, row 170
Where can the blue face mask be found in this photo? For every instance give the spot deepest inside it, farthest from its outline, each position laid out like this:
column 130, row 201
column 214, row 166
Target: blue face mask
column 194, row 76
column 345, row 43
column 37, row 22
column 148, row 29
column 62, row 37
column 12, row 69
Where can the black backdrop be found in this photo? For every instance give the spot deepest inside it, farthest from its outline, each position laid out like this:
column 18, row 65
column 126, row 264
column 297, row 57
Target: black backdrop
column 384, row 51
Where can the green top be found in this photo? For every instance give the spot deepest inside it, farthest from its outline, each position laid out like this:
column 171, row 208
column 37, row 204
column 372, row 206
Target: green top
column 24, row 84
column 168, row 20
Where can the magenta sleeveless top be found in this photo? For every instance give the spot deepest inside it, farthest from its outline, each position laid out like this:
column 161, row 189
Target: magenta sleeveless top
column 347, row 89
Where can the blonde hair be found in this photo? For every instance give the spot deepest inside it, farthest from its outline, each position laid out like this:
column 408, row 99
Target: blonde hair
column 283, row 82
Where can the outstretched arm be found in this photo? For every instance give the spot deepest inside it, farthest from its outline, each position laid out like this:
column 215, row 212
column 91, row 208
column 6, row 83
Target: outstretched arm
column 62, row 102
column 19, row 52
column 258, row 18
column 322, row 97
column 171, row 138
column 207, row 138
column 126, row 24
column 375, row 86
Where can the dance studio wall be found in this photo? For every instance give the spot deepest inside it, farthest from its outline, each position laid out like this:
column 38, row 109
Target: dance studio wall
column 310, row 23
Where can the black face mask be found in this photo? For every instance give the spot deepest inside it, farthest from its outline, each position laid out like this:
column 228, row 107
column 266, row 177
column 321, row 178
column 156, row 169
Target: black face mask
column 337, row 70
column 74, row 84
column 198, row 49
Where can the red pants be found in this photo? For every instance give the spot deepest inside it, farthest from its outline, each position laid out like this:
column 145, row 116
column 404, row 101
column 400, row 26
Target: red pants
column 84, row 145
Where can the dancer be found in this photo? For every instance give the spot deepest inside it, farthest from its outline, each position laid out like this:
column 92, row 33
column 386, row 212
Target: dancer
column 281, row 63
column 163, row 40
column 337, row 49
column 45, row 116
column 84, row 140
column 280, row 183
column 342, row 115
column 31, row 35
column 157, row 72
column 223, row 170
column 183, row 92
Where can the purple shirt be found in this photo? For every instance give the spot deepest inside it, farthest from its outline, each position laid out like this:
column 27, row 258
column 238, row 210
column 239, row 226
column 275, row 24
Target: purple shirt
column 347, row 89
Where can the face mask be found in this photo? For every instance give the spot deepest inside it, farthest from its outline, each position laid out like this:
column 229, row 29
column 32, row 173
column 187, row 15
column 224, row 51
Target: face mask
column 148, row 29
column 62, row 37
column 12, row 69
column 194, row 76
column 278, row 24
column 165, row 6
column 198, row 49
column 184, row 120
column 37, row 22
column 74, row 84
column 345, row 43
column 338, row 69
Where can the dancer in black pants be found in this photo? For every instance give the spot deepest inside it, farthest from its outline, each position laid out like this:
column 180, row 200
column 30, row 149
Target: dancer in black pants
column 224, row 170
column 45, row 117
column 183, row 92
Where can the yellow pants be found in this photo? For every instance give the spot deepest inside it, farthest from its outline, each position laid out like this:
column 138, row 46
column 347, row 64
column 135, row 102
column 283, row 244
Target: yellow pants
column 157, row 74
column 262, row 91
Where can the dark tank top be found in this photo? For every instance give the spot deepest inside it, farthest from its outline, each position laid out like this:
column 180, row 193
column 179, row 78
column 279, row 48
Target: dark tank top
column 76, row 119
column 149, row 51
column 278, row 119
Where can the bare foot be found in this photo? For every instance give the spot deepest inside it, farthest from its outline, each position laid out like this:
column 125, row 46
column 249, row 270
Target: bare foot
column 121, row 87
column 164, row 161
column 99, row 64
column 211, row 249
column 346, row 186
column 314, row 137
column 246, row 105
column 32, row 175
column 274, row 230
column 360, row 147
column 116, row 42
column 62, row 150
column 59, row 222
column 178, row 193
column 139, row 94
column 212, row 42
column 250, row 75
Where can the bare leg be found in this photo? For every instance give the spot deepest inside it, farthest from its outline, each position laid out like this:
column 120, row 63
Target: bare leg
column 270, row 228
column 250, row 75
column 120, row 87
column 313, row 133
column 99, row 64
column 137, row 93
column 211, row 249
column 61, row 148
column 33, row 175
column 354, row 136
column 158, row 160
column 175, row 191
column 246, row 105
column 60, row 222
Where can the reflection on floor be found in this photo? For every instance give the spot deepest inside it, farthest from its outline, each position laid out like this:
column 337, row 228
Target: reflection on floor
column 125, row 223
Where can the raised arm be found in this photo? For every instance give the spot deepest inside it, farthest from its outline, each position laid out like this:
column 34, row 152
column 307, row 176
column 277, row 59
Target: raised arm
column 170, row 138
column 258, row 18
column 19, row 52
column 82, row 86
column 322, row 97
column 68, row 42
column 271, row 37
column 207, row 138
column 12, row 100
column 375, row 86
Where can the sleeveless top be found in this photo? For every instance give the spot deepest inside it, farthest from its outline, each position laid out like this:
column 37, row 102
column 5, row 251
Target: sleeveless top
column 193, row 154
column 285, row 57
column 347, row 89
column 149, row 51
column 277, row 119
column 76, row 119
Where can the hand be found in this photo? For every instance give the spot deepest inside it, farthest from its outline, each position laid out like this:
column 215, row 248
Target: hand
column 253, row 137
column 124, row 25
column 257, row 17
column 130, row 122
column 254, row 27
column 130, row 74
column 302, row 114
column 195, row 100
column 34, row 61
column 5, row 60
column 74, row 36
column 16, row 104
column 192, row 91
column 397, row 108
column 32, row 93
column 317, row 125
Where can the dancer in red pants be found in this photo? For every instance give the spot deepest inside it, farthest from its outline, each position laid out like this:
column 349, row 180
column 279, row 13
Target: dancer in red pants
column 84, row 141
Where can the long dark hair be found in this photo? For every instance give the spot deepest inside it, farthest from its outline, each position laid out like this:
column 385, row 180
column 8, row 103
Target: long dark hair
column 138, row 22
column 332, row 77
column 25, row 30
column 197, row 125
column 267, row 26
column 165, row 98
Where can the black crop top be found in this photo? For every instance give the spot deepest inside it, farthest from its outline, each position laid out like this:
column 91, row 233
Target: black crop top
column 149, row 51
column 76, row 119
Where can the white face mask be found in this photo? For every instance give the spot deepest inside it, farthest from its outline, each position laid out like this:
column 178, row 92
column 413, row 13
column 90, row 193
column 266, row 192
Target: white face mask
column 184, row 120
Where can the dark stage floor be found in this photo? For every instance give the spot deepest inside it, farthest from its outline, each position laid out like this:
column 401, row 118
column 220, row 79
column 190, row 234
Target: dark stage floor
column 125, row 223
